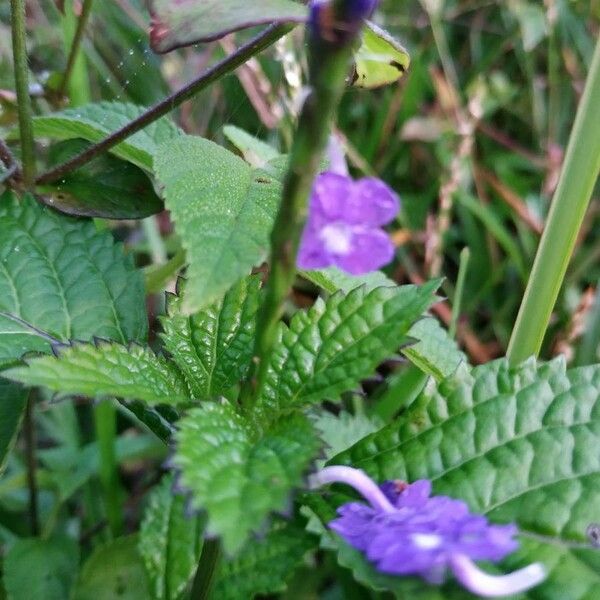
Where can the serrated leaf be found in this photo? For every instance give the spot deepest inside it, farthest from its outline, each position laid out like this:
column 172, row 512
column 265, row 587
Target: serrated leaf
column 380, row 59
column 255, row 151
column 115, row 570
column 330, row 348
column 435, row 352
column 62, row 279
column 332, row 280
column 94, row 122
column 264, row 566
column 341, row 431
column 13, row 399
column 170, row 542
column 517, row 443
column 223, row 212
column 237, row 475
column 39, row 569
column 213, row 347
column 188, row 22
column 105, row 370
column 105, row 187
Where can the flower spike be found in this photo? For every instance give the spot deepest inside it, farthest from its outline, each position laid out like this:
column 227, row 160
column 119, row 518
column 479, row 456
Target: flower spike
column 406, row 531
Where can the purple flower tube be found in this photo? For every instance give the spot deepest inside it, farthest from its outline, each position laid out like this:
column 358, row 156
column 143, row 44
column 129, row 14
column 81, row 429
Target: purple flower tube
column 406, row 531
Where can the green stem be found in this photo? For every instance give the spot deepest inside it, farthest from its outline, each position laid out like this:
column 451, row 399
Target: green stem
column 22, row 86
column 262, row 41
column 157, row 276
column 105, row 416
column 30, row 451
column 207, row 569
column 155, row 241
column 73, row 64
column 579, row 175
column 463, row 267
column 587, row 352
column 329, row 61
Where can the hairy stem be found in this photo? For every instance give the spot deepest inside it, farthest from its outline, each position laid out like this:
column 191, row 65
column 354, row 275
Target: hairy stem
column 22, row 87
column 207, row 569
column 82, row 22
column 579, row 175
column 262, row 41
column 329, row 59
column 30, row 451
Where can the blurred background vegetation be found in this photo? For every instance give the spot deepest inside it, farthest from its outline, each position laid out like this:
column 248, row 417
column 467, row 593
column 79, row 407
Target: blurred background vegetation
column 472, row 138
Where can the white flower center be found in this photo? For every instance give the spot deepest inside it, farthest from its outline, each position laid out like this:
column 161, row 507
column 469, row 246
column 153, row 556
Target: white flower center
column 426, row 541
column 336, row 238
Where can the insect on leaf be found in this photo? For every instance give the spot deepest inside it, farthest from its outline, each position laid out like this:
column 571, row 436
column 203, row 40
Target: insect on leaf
column 380, row 60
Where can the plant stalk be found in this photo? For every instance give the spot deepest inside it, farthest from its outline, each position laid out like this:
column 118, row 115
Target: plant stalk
column 207, row 569
column 82, row 22
column 465, row 257
column 579, row 175
column 30, row 452
column 329, row 60
column 22, row 87
column 262, row 41
column 105, row 417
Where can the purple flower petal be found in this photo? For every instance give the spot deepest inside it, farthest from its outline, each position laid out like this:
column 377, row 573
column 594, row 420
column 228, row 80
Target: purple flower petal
column 343, row 226
column 329, row 196
column 370, row 250
column 371, row 203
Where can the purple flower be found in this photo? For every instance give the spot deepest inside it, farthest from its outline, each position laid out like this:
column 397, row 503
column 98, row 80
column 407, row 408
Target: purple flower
column 406, row 531
column 344, row 224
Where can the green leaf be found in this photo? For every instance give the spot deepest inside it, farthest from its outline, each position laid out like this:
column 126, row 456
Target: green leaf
column 94, row 122
column 188, row 22
column 435, row 352
column 255, row 151
column 380, row 60
column 341, row 431
column 223, row 212
column 115, row 570
column 329, row 349
column 516, row 443
column 61, row 279
column 574, row 572
column 213, row 347
column 237, row 475
column 105, row 187
column 332, row 280
column 263, row 567
column 39, row 569
column 170, row 542
column 13, row 399
column 103, row 370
